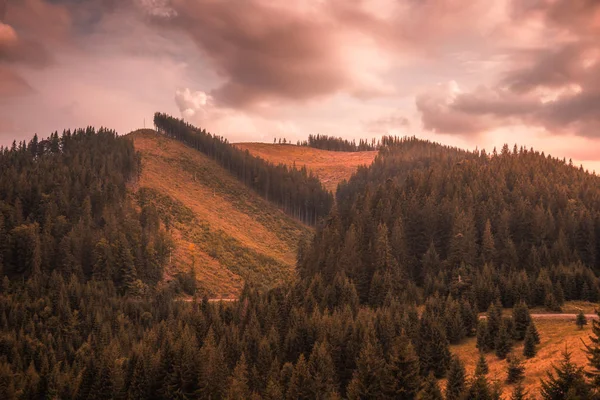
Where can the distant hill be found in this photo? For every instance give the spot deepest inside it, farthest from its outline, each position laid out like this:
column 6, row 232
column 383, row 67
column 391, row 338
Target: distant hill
column 330, row 166
column 221, row 226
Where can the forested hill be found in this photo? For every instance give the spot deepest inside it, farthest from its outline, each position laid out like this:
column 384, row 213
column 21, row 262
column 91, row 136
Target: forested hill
column 426, row 219
column 331, row 143
column 296, row 191
column 64, row 209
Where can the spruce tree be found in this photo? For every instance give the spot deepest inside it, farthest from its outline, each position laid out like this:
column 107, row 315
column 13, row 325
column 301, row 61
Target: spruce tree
column 494, row 323
column 298, row 387
column 401, row 378
column 484, row 341
column 529, row 346
column 456, row 383
column 519, row 392
column 503, row 343
column 581, row 320
column 593, row 352
column 482, row 366
column 521, row 319
column 430, row 390
column 568, row 383
column 515, row 370
column 479, row 389
column 432, row 346
column 321, row 368
column 534, row 332
column 238, row 382
column 367, row 378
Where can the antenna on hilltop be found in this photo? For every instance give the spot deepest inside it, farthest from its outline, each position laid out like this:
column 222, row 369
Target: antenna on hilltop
column 144, row 123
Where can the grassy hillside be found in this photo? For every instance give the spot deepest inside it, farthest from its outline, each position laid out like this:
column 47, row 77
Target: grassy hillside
column 555, row 334
column 220, row 226
column 330, row 166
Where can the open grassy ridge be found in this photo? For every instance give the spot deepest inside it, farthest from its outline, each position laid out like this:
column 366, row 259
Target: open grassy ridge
column 224, row 229
column 330, row 166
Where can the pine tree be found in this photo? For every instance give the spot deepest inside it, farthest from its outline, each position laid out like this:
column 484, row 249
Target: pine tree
column 521, row 319
column 569, row 382
column 534, row 332
column 401, row 378
column 529, row 346
column 456, row 383
column 503, row 343
column 238, row 382
column 581, row 320
column 322, row 381
column 515, row 370
column 366, row 381
column 494, row 323
column 298, row 387
column 213, row 371
column 484, row 341
column 593, row 352
column 488, row 246
column 432, row 346
column 138, row 389
column 519, row 392
column 479, row 389
column 482, row 366
column 431, row 389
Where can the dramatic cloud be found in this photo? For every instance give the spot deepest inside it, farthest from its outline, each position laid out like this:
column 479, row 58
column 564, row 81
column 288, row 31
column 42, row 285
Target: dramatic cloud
column 555, row 85
column 466, row 72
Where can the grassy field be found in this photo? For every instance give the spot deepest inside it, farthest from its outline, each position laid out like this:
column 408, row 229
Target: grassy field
column 224, row 229
column 555, row 334
column 330, row 166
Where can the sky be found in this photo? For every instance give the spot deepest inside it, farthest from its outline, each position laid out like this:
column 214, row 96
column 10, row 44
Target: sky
column 468, row 73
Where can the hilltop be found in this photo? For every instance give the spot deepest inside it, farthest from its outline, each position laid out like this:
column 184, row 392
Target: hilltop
column 330, row 166
column 223, row 228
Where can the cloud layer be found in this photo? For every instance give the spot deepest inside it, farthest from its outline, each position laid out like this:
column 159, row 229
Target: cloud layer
column 459, row 71
column 554, row 84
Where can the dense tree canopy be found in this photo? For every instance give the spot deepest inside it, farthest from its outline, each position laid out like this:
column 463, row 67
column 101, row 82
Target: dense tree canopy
column 426, row 219
column 416, row 245
column 332, row 143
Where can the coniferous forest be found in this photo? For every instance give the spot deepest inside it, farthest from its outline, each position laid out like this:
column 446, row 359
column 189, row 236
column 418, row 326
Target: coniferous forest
column 297, row 191
column 416, row 246
column 331, row 143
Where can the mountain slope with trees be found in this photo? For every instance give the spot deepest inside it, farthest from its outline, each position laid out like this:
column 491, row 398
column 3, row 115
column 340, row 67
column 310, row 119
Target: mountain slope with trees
column 222, row 230
column 427, row 220
column 331, row 167
column 374, row 314
column 296, row 191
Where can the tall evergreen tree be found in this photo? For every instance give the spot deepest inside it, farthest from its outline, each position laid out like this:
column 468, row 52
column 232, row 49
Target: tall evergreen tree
column 430, row 390
column 456, row 383
column 529, row 346
column 515, row 371
column 366, row 381
column 401, row 378
column 567, row 381
column 238, row 382
column 503, row 343
column 482, row 367
column 593, row 352
column 521, row 319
